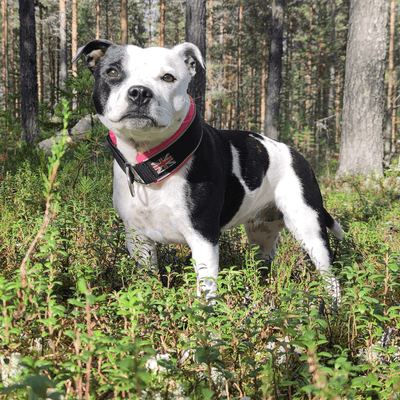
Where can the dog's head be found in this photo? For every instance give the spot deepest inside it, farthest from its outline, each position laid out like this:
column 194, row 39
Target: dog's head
column 141, row 92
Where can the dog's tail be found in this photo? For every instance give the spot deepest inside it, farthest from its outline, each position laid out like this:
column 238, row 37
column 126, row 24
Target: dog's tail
column 333, row 226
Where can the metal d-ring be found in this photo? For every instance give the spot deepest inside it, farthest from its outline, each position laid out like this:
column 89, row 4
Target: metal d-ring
column 136, row 178
column 128, row 178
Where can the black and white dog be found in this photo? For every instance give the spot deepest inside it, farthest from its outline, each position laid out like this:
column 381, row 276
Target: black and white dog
column 178, row 180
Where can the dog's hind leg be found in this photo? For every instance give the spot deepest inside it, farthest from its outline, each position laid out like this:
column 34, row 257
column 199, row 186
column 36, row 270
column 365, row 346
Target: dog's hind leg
column 298, row 197
column 264, row 234
column 308, row 227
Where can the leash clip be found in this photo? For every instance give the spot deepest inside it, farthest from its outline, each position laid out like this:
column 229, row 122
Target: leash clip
column 136, row 178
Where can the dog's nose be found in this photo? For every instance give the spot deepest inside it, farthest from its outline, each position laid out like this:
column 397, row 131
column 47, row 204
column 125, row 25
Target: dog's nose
column 140, row 95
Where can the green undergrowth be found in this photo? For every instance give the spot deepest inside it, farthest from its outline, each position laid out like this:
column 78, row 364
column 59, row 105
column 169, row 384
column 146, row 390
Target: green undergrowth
column 88, row 324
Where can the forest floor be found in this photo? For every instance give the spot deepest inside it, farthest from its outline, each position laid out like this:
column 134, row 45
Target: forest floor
column 80, row 318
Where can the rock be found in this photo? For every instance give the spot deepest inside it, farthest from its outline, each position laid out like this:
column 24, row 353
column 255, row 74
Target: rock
column 47, row 144
column 77, row 133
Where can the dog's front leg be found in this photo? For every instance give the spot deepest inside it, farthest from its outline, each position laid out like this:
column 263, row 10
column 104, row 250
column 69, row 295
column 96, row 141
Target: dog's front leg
column 141, row 249
column 206, row 257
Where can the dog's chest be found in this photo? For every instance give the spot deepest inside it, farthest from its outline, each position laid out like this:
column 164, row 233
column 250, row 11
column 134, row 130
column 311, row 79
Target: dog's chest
column 158, row 211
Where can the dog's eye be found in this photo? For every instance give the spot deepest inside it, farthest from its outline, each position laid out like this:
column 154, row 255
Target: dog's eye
column 168, row 78
column 113, row 73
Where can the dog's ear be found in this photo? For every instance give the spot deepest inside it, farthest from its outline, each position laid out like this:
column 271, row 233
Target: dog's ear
column 190, row 53
column 93, row 52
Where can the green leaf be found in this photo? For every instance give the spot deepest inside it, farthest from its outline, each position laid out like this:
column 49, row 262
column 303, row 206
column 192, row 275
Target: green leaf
column 207, row 393
column 82, row 286
column 77, row 303
column 394, row 267
column 39, row 384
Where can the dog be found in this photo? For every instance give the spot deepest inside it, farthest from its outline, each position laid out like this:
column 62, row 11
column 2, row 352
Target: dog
column 178, row 180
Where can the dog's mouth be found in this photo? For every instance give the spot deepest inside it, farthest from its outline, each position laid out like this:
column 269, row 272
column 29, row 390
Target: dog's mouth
column 137, row 116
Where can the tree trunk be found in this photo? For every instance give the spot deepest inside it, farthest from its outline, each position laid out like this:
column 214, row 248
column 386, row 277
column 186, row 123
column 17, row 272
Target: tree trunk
column 337, row 104
column 107, row 22
column 361, row 149
column 12, row 58
column 251, row 113
column 225, row 74
column 196, row 34
column 63, row 44
column 40, row 56
column 74, row 35
column 124, row 21
column 309, row 63
column 239, row 67
column 4, row 50
column 332, row 59
column 98, row 20
column 210, row 77
column 28, row 71
column 176, row 23
column 50, row 60
column 150, row 24
column 275, row 70
column 74, row 44
column 162, row 23
column 57, row 64
column 391, row 115
column 263, row 76
column 230, row 110
column 221, row 74
column 289, row 52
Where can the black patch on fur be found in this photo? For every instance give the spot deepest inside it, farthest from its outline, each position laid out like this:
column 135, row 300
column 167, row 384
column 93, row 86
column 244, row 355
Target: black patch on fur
column 329, row 221
column 253, row 157
column 104, row 84
column 214, row 193
column 311, row 192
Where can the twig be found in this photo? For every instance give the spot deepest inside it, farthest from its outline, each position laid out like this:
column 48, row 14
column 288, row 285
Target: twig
column 394, row 102
column 89, row 331
column 47, row 219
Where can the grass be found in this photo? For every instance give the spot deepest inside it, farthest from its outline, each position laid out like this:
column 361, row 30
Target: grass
column 88, row 324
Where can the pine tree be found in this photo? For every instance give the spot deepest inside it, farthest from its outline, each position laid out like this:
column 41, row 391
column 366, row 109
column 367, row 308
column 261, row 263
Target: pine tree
column 196, row 34
column 361, row 149
column 28, row 70
column 275, row 70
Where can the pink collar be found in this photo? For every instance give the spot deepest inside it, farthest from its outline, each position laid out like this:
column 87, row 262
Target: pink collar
column 150, row 153
column 167, row 158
